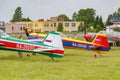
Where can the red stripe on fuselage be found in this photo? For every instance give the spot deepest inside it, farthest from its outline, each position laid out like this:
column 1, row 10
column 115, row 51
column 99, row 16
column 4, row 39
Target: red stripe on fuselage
column 18, row 45
column 57, row 51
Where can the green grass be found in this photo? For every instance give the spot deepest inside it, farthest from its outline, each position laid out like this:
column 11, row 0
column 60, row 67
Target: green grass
column 76, row 65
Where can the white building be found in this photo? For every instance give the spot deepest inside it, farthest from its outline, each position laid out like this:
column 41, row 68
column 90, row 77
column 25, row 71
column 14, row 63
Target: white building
column 111, row 27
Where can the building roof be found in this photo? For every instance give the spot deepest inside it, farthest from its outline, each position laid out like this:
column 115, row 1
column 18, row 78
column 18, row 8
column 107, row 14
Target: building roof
column 115, row 18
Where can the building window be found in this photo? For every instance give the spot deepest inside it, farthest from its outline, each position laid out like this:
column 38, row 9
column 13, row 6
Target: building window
column 54, row 24
column 21, row 28
column 12, row 28
column 73, row 24
column 51, row 25
column 66, row 24
column 44, row 25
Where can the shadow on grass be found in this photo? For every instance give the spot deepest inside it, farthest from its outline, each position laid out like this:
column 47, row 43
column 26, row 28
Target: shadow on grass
column 32, row 58
column 115, row 48
column 72, row 55
column 12, row 57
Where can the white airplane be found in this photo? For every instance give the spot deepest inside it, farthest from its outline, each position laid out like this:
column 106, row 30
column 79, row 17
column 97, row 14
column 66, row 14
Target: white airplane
column 51, row 45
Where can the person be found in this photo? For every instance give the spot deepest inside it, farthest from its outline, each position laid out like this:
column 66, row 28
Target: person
column 20, row 53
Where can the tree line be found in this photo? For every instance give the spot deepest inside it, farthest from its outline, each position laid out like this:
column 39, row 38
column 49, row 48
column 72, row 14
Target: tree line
column 92, row 22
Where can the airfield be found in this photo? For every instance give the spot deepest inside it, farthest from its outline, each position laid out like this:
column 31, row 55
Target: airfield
column 75, row 65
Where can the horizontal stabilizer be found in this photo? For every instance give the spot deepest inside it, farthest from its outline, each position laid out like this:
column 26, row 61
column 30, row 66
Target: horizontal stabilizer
column 35, row 40
column 42, row 50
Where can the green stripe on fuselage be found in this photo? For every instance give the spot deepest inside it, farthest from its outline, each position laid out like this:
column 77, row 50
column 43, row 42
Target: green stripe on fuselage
column 24, row 41
column 43, row 53
column 20, row 40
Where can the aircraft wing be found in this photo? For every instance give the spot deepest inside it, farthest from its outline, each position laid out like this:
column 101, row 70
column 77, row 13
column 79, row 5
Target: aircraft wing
column 35, row 40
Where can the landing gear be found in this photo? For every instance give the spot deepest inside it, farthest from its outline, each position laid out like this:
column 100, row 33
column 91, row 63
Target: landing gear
column 33, row 53
column 52, row 58
column 20, row 54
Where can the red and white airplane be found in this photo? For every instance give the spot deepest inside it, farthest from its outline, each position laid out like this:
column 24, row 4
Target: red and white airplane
column 51, row 45
column 112, row 35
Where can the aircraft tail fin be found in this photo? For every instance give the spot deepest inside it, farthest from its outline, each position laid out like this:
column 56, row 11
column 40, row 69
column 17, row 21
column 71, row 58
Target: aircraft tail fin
column 101, row 39
column 54, row 41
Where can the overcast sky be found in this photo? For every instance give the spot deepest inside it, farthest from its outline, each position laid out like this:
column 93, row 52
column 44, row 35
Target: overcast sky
column 37, row 9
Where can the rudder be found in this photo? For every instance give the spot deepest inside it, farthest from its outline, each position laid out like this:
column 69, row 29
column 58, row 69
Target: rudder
column 53, row 39
column 101, row 39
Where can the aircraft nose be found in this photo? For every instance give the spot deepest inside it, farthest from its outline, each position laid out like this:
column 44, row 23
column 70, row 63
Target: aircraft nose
column 87, row 36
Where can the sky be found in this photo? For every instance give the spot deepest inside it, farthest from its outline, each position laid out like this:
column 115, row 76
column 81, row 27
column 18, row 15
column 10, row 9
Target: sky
column 44, row 9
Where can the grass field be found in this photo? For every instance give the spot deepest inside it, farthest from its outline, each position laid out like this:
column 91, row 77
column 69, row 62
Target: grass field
column 76, row 65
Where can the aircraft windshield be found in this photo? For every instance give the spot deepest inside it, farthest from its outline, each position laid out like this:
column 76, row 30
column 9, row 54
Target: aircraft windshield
column 3, row 34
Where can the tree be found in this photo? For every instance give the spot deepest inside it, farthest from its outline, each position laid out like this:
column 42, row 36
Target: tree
column 101, row 23
column 60, row 27
column 17, row 15
column 81, row 27
column 25, row 19
column 64, row 17
column 117, row 29
column 86, row 15
column 119, row 11
column 74, row 16
column 108, row 20
column 98, row 28
column 98, row 24
column 96, row 21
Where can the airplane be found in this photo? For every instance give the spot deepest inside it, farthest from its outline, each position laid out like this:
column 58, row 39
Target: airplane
column 49, row 46
column 98, row 43
column 113, row 36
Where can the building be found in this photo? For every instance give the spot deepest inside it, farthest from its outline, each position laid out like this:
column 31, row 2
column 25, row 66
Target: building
column 56, row 19
column 35, row 26
column 71, row 26
column 52, row 24
column 111, row 27
column 46, row 26
column 42, row 26
column 15, row 27
column 115, row 22
column 114, row 18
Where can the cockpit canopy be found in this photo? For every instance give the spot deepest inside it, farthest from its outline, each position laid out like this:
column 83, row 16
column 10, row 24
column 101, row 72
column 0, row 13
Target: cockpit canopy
column 3, row 34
